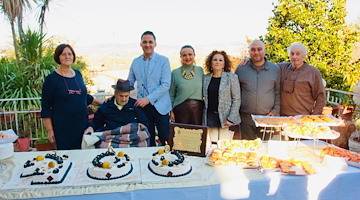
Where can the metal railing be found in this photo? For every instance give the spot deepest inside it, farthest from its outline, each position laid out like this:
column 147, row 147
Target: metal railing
column 336, row 97
column 27, row 121
column 24, row 120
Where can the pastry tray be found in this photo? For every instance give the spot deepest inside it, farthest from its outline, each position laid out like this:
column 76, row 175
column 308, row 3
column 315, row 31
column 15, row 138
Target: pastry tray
column 242, row 145
column 280, row 121
column 272, row 121
column 351, row 163
column 295, row 171
column 240, row 164
column 335, row 121
column 354, row 164
column 333, row 136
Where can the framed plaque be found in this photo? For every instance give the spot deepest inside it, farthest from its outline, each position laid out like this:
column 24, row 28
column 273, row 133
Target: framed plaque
column 189, row 139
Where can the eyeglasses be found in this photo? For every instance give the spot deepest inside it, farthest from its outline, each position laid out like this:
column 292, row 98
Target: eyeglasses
column 74, row 91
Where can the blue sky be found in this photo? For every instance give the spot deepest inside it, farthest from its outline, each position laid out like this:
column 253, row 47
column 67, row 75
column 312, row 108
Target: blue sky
column 89, row 22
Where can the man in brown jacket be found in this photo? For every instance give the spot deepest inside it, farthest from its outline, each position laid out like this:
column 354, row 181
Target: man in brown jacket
column 302, row 90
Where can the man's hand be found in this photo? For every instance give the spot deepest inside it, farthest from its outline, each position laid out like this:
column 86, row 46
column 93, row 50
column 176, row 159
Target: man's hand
column 142, row 102
column 172, row 116
column 244, row 61
column 88, row 130
column 107, row 99
column 97, row 102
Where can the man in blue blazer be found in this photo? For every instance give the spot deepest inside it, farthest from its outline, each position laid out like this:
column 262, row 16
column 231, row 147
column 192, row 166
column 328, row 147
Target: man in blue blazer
column 152, row 73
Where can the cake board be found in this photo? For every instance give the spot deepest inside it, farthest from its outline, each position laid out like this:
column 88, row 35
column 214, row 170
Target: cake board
column 25, row 183
column 133, row 177
column 197, row 165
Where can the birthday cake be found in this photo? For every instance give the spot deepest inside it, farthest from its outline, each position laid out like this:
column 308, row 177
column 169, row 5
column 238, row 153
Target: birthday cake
column 51, row 169
column 109, row 165
column 168, row 163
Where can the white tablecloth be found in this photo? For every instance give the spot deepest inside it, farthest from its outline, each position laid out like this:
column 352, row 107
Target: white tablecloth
column 214, row 183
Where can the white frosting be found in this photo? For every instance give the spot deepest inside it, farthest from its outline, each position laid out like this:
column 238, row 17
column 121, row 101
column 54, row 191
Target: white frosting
column 113, row 171
column 165, row 170
column 43, row 165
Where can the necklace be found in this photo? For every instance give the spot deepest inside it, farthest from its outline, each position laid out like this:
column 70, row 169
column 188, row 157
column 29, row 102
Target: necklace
column 186, row 75
column 67, row 87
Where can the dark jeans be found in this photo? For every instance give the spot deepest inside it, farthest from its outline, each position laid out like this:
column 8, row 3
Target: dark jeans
column 162, row 123
column 189, row 112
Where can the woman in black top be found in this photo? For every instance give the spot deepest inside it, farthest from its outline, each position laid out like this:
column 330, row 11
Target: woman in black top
column 64, row 102
column 221, row 96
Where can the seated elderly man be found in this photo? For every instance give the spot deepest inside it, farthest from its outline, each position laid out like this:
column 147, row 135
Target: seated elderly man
column 123, row 124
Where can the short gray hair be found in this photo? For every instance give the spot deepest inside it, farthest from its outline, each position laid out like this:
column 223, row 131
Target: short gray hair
column 297, row 44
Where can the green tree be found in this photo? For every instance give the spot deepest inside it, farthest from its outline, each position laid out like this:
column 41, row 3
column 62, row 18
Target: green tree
column 320, row 25
column 44, row 6
column 25, row 80
column 30, row 47
column 13, row 10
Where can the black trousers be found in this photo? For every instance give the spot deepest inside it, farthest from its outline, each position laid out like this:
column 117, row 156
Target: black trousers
column 249, row 131
column 162, row 123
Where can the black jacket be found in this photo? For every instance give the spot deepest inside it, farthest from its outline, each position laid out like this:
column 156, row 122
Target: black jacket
column 109, row 117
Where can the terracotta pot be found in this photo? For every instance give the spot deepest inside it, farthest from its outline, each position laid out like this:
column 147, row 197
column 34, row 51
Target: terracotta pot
column 335, row 110
column 45, row 146
column 37, row 113
column 346, row 112
column 23, row 144
column 6, row 118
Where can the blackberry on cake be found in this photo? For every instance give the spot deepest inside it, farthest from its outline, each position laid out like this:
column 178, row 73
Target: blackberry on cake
column 110, row 165
column 169, row 163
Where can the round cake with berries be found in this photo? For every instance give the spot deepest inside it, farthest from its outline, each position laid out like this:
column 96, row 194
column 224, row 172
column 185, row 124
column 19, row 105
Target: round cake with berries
column 110, row 165
column 168, row 163
column 51, row 169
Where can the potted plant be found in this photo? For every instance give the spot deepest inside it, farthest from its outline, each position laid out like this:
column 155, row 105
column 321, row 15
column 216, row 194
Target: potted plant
column 43, row 143
column 346, row 107
column 24, row 131
column 23, row 142
column 6, row 117
column 36, row 112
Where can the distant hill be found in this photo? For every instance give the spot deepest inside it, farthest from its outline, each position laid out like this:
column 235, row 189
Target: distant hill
column 109, row 62
column 120, row 56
